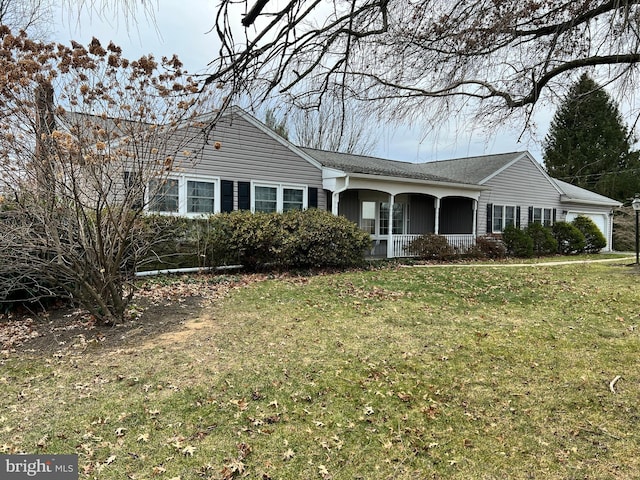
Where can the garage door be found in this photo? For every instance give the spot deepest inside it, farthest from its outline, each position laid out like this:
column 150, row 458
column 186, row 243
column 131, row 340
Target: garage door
column 599, row 219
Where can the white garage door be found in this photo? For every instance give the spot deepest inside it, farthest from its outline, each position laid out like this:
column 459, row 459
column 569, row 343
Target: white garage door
column 600, row 219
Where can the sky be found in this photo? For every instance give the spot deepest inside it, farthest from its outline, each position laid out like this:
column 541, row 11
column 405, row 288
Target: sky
column 184, row 28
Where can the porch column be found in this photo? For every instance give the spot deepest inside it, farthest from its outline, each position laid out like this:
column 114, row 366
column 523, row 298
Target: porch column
column 335, row 199
column 475, row 218
column 390, row 253
column 436, row 227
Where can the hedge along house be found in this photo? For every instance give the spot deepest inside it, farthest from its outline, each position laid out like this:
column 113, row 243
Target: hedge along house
column 244, row 165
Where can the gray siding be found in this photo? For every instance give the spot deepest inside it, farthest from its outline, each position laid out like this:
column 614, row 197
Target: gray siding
column 248, row 154
column 521, row 184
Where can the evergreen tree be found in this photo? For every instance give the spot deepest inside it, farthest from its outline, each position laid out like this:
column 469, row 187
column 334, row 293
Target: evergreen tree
column 589, row 146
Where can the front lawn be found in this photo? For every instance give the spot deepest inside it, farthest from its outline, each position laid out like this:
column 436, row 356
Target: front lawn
column 398, row 373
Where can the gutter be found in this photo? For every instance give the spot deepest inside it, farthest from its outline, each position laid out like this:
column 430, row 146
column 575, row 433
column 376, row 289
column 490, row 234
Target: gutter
column 170, row 271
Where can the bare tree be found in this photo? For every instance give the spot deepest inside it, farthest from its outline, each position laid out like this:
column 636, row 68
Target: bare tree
column 87, row 139
column 425, row 59
column 333, row 128
column 32, row 16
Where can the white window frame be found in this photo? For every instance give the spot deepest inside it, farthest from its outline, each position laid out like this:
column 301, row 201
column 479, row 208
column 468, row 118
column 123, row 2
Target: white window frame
column 503, row 219
column 183, row 192
column 280, row 187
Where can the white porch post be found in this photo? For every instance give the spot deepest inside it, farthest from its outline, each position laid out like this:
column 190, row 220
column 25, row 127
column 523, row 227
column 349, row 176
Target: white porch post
column 390, row 252
column 335, row 200
column 475, row 218
column 436, row 228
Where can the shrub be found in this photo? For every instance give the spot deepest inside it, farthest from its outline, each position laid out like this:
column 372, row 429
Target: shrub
column 624, row 229
column 245, row 238
column 488, row 246
column 176, row 242
column 431, row 247
column 570, row 239
column 312, row 238
column 594, row 238
column 317, row 238
column 543, row 241
column 517, row 242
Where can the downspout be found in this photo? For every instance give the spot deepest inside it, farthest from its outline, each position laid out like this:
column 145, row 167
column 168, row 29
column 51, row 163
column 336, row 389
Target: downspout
column 336, row 196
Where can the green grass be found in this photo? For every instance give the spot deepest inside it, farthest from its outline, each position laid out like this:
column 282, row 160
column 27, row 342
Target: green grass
column 404, row 373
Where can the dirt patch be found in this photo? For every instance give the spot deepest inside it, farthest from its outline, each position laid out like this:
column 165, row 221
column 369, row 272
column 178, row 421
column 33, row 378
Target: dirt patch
column 164, row 312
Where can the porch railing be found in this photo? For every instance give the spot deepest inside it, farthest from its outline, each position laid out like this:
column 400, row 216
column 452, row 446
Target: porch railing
column 460, row 242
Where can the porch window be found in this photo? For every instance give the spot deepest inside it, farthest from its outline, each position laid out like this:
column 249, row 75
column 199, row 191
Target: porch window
column 266, row 199
column 368, row 223
column 200, row 197
column 165, row 195
column 397, row 218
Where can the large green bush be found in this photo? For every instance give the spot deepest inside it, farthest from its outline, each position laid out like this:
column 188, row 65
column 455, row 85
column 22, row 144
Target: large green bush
column 312, row 238
column 543, row 241
column 570, row 239
column 517, row 242
column 317, row 238
column 594, row 239
column 245, row 238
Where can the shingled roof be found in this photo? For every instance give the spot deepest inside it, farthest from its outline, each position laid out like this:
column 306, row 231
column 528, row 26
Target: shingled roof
column 350, row 163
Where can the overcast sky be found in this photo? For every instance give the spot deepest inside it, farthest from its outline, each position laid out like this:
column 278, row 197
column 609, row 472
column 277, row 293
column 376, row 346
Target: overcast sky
column 182, row 27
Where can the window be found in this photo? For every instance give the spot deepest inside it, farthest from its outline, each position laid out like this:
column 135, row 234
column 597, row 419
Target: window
column 502, row 216
column 368, row 223
column 544, row 216
column 278, row 198
column 509, row 216
column 165, row 195
column 398, row 218
column 292, row 199
column 537, row 215
column 498, row 217
column 184, row 195
column 266, row 199
column 200, row 197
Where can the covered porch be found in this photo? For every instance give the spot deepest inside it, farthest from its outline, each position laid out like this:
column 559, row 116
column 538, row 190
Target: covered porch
column 395, row 218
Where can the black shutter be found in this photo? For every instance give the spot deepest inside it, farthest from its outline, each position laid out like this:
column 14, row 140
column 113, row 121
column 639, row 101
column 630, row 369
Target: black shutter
column 329, row 196
column 227, row 195
column 489, row 218
column 313, row 197
column 553, row 220
column 530, row 221
column 518, row 222
column 244, row 195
